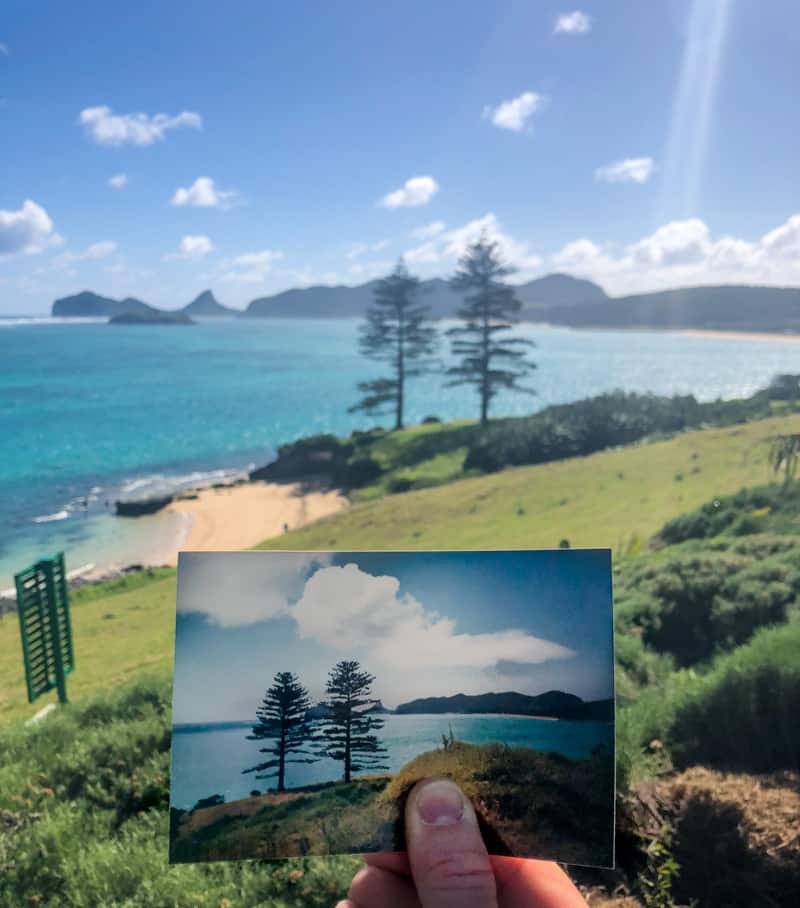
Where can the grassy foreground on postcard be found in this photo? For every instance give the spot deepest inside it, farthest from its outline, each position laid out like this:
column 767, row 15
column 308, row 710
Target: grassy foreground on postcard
column 528, row 802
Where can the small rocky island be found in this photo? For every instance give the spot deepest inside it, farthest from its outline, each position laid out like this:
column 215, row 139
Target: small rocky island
column 151, row 318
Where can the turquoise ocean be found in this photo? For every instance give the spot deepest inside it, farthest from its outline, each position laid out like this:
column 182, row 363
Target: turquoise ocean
column 89, row 411
column 210, row 759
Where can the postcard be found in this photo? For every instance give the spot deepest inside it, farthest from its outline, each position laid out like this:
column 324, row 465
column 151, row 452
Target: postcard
column 313, row 690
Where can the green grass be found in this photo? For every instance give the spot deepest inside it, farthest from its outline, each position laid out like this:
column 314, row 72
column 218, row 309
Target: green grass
column 421, row 456
column 84, row 819
column 617, row 498
column 119, row 629
column 614, row 498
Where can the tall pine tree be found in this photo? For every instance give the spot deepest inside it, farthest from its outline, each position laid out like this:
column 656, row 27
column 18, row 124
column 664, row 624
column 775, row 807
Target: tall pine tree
column 396, row 331
column 282, row 720
column 348, row 729
column 489, row 359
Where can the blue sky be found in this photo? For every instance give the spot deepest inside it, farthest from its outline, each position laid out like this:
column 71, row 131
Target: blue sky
column 424, row 623
column 259, row 146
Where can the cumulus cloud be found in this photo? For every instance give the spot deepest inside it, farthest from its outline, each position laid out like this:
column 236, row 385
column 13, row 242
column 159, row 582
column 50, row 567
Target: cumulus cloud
column 191, row 247
column 683, row 253
column 118, row 181
column 450, row 245
column 574, row 23
column 515, row 113
column 370, row 269
column 242, row 588
column 629, row 170
column 252, row 267
column 414, row 192
column 105, row 127
column 204, row 194
column 26, row 230
column 346, row 608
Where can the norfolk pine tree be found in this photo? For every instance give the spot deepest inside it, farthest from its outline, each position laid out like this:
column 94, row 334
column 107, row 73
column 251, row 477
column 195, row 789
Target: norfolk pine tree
column 282, row 719
column 488, row 361
column 348, row 728
column 396, row 331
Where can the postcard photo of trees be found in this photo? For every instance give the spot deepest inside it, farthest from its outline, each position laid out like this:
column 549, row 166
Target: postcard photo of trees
column 313, row 690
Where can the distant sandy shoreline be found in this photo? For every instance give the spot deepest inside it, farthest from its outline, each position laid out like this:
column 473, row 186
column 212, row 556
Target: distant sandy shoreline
column 240, row 516
column 733, row 335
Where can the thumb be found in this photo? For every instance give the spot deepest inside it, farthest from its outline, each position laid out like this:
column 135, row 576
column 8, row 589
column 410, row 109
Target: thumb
column 449, row 861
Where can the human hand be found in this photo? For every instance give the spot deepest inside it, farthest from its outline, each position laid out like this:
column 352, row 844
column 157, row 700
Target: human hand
column 447, row 865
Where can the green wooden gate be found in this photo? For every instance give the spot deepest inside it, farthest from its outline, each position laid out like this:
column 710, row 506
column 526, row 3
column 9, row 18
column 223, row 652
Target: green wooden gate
column 43, row 608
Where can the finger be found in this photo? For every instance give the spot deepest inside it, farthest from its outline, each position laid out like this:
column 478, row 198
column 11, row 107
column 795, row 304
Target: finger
column 376, row 888
column 524, row 883
column 393, row 861
column 449, row 862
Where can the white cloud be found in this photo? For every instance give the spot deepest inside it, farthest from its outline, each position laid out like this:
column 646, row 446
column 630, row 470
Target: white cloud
column 676, row 243
column 371, row 613
column 107, row 128
column 450, row 245
column 428, row 231
column 252, row 267
column 574, row 23
column 242, row 588
column 204, row 194
column 629, row 170
column 416, row 191
column 92, row 253
column 515, row 113
column 356, row 250
column 191, row 247
column 685, row 253
column 27, row 230
column 118, row 181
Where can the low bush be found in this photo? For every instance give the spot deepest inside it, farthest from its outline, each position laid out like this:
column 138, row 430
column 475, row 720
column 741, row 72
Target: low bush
column 774, row 507
column 358, row 472
column 692, row 606
column 84, row 818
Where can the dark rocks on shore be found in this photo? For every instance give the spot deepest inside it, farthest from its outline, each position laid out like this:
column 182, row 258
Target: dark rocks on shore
column 137, row 507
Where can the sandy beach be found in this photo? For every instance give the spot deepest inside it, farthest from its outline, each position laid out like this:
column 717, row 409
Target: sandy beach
column 240, row 516
column 735, row 335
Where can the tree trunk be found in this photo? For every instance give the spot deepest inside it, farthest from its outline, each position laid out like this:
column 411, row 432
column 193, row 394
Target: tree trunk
column 401, row 371
column 485, row 367
column 282, row 761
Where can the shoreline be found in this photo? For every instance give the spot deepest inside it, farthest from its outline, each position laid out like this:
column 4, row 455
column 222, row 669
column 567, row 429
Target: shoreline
column 236, row 517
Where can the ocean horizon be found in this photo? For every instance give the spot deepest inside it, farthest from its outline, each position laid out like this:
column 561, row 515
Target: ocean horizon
column 209, row 760
column 91, row 414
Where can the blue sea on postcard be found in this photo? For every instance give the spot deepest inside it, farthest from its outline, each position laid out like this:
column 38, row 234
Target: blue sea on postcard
column 208, row 760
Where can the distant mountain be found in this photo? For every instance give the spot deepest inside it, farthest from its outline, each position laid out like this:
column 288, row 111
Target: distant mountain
column 206, row 305
column 726, row 308
column 352, row 302
column 553, row 704
column 91, row 305
column 558, row 290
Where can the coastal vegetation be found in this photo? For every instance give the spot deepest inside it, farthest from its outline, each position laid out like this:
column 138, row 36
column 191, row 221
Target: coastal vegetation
column 706, row 640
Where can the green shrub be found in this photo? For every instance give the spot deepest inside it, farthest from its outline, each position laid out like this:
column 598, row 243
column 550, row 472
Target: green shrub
column 360, row 471
column 84, row 819
column 741, row 715
column 580, row 428
column 691, row 606
column 399, row 484
column 773, row 507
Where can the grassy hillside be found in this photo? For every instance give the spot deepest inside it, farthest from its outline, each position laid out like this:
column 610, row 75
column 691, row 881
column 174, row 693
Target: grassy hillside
column 615, row 498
